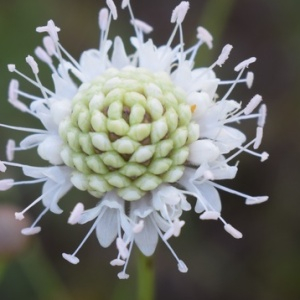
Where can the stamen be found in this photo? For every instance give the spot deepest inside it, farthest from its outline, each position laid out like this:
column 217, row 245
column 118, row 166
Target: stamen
column 234, row 232
column 13, row 90
column 249, row 79
column 19, row 216
column 123, row 275
column 43, row 55
column 263, row 156
column 228, row 190
column 205, row 36
column 210, row 215
column 182, row 267
column 2, row 167
column 6, row 184
column 103, row 18
column 258, row 138
column 244, row 64
column 71, row 258
column 262, row 115
column 256, row 200
column 179, row 12
column 117, row 262
column 25, row 129
column 32, row 63
column 13, row 96
column 19, row 105
column 112, row 7
column 138, row 227
column 224, row 55
column 193, row 108
column 31, row 230
column 174, row 229
column 76, row 213
column 11, row 67
column 70, row 57
column 51, row 29
column 142, row 26
column 125, row 3
column 49, row 46
column 122, row 247
column 253, row 103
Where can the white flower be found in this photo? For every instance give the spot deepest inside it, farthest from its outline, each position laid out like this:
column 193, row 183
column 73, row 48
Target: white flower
column 141, row 131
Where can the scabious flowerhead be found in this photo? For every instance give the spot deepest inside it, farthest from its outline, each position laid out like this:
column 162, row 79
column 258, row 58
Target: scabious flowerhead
column 139, row 132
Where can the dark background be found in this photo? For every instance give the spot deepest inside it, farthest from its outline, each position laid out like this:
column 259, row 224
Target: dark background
column 265, row 263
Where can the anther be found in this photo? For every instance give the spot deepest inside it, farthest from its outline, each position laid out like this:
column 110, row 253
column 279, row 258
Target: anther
column 258, row 138
column 244, row 64
column 19, row 216
column 112, row 7
column 138, row 227
column 11, row 67
column 253, row 103
column 32, row 63
column 224, row 55
column 103, row 18
column 256, row 200
column 249, row 79
column 123, row 275
column 205, row 36
column 179, row 12
column 264, row 156
column 262, row 115
column 31, row 230
column 117, row 262
column 42, row 55
column 182, row 266
column 51, row 29
column 121, row 245
column 76, row 213
column 49, row 45
column 141, row 25
column 6, row 184
column 13, row 90
column 210, row 215
column 71, row 258
column 234, row 232
column 2, row 167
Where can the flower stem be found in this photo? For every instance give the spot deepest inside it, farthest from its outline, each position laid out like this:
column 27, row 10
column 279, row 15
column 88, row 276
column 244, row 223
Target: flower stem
column 146, row 278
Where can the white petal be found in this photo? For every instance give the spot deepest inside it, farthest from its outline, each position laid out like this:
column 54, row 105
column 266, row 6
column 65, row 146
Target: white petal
column 64, row 88
column 226, row 138
column 89, row 215
column 32, row 140
column 148, row 238
column 50, row 149
column 203, row 151
column 107, row 227
column 119, row 57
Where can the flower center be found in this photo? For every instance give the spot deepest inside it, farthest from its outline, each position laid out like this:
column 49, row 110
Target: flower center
column 129, row 130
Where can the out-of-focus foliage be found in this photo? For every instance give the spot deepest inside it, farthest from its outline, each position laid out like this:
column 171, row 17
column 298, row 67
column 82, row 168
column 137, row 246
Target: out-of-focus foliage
column 266, row 262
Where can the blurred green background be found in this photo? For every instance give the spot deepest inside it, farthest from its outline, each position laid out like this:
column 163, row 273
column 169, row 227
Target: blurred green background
column 265, row 263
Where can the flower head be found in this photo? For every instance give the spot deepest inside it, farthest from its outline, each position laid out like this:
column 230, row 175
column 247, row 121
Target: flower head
column 141, row 131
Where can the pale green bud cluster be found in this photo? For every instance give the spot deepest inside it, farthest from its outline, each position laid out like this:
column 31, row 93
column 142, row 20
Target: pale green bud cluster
column 129, row 130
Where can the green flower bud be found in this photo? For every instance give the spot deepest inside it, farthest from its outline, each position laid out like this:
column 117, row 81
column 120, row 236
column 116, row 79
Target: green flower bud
column 129, row 130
